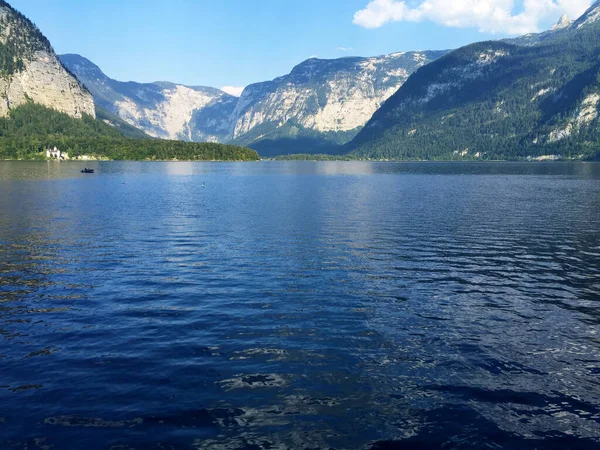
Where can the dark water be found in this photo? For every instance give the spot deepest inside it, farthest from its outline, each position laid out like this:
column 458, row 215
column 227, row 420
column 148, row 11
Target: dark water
column 299, row 305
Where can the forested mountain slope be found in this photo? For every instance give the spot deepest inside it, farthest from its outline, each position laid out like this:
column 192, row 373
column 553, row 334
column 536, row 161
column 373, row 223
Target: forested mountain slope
column 497, row 100
column 30, row 129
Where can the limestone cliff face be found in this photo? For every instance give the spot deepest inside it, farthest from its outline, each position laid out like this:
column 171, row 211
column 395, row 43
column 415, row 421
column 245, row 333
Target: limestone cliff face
column 323, row 96
column 31, row 71
column 325, row 99
column 161, row 109
column 44, row 80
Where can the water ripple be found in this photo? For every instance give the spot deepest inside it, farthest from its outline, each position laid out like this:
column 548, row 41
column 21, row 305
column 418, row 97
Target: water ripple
column 284, row 306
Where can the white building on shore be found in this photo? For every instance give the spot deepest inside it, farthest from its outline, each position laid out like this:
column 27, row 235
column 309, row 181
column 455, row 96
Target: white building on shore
column 55, row 153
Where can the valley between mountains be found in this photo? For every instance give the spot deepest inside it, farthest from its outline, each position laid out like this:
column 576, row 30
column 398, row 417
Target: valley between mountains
column 531, row 97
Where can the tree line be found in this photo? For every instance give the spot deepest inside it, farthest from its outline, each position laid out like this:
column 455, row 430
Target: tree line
column 30, row 129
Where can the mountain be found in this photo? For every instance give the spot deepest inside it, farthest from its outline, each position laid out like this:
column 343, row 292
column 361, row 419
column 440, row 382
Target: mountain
column 497, row 100
column 563, row 22
column 319, row 105
column 321, row 100
column 161, row 109
column 31, row 71
column 44, row 106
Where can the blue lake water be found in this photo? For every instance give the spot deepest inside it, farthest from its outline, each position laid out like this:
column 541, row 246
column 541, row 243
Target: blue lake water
column 298, row 305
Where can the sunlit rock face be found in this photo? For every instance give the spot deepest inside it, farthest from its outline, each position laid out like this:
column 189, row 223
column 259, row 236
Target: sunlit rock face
column 32, row 72
column 330, row 99
column 161, row 109
column 323, row 97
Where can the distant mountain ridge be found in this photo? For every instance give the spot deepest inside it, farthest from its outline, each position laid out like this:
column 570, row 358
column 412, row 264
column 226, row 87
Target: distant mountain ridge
column 320, row 101
column 533, row 95
column 497, row 100
column 161, row 109
column 327, row 99
column 31, row 71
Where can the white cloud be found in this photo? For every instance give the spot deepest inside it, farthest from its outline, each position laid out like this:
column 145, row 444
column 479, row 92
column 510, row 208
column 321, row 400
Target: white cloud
column 344, row 49
column 493, row 16
column 233, row 90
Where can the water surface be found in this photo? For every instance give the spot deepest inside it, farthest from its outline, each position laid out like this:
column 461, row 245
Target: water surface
column 299, row 305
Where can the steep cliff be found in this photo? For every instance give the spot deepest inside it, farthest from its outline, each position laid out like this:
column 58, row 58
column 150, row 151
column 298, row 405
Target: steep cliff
column 328, row 99
column 161, row 109
column 31, row 71
column 321, row 102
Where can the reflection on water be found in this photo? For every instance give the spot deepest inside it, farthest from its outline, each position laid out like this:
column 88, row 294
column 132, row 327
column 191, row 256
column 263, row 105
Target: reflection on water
column 299, row 305
column 51, row 170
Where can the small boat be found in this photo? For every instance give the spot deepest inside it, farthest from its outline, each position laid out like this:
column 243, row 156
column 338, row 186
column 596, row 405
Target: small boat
column 86, row 170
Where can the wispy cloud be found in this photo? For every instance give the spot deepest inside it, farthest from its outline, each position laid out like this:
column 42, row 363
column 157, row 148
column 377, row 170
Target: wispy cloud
column 233, row 90
column 344, row 49
column 493, row 16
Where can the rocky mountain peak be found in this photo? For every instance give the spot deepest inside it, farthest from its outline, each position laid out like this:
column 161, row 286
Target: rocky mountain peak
column 316, row 70
column 461, row 106
column 19, row 38
column 563, row 22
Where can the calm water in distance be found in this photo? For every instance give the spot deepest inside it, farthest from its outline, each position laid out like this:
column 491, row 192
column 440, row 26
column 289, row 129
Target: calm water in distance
column 299, row 305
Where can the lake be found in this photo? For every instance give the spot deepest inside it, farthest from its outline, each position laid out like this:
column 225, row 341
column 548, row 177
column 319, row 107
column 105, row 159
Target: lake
column 299, row 305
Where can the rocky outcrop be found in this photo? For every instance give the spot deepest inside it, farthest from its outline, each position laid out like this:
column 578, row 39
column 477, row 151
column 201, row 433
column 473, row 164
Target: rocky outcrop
column 163, row 110
column 175, row 115
column 563, row 22
column 326, row 99
column 45, row 81
column 323, row 97
column 32, row 71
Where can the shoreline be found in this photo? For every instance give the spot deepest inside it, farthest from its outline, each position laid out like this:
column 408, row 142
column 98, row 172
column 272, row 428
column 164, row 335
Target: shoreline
column 534, row 161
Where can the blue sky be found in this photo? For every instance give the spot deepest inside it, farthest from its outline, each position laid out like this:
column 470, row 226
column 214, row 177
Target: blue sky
column 238, row 42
